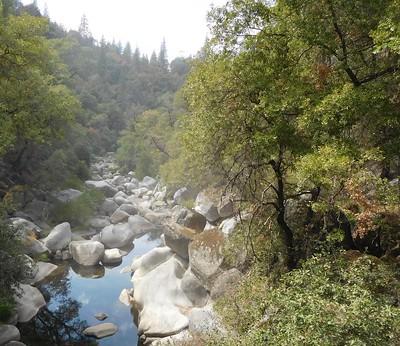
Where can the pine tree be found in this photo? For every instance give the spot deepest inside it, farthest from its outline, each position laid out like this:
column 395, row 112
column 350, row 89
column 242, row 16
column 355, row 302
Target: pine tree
column 84, row 28
column 127, row 53
column 153, row 59
column 162, row 56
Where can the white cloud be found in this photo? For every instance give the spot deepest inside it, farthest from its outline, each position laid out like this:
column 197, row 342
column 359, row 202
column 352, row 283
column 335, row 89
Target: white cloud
column 144, row 23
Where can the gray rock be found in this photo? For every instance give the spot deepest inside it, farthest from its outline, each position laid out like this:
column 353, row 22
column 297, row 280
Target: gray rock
column 225, row 207
column 101, row 330
column 194, row 221
column 106, row 188
column 120, row 200
column 178, row 238
column 128, row 208
column 25, row 228
column 44, row 269
column 117, row 236
column 205, row 256
column 8, row 333
column 182, row 195
column 68, row 195
column 99, row 223
column 225, row 283
column 118, row 180
column 101, row 316
column 203, row 321
column 206, row 207
column 140, row 225
column 112, row 256
column 37, row 210
column 15, row 343
column 148, row 182
column 228, row 226
column 193, row 289
column 157, row 218
column 109, row 206
column 59, row 237
column 28, row 303
column 119, row 216
column 86, row 252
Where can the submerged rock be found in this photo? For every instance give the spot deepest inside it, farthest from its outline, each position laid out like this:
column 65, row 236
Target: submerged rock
column 101, row 316
column 101, row 330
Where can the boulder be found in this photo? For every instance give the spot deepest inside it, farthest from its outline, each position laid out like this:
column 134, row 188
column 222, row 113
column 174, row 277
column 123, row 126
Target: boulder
column 101, row 316
column 109, row 206
column 128, row 208
column 15, row 343
column 89, row 272
column 86, row 252
column 182, row 195
column 228, row 226
column 25, row 228
column 59, row 237
column 101, row 330
column 106, row 188
column 68, row 195
column 151, row 260
column 117, row 236
column 99, row 223
column 225, row 207
column 140, row 225
column 125, row 297
column 8, row 333
column 130, row 186
column 178, row 238
column 112, row 256
column 194, row 221
column 37, row 210
column 157, row 218
column 193, row 289
column 148, row 182
column 205, row 256
column 120, row 200
column 44, row 269
column 34, row 247
column 118, row 180
column 158, row 295
column 204, row 321
column 206, row 207
column 225, row 283
column 119, row 216
column 28, row 303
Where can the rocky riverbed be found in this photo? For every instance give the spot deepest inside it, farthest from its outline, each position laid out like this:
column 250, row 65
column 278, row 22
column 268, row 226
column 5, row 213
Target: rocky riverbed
column 179, row 272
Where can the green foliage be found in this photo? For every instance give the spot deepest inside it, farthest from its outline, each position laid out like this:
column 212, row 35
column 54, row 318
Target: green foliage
column 13, row 267
column 78, row 211
column 345, row 299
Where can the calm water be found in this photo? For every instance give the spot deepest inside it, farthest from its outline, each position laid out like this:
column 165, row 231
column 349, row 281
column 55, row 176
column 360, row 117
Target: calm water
column 75, row 294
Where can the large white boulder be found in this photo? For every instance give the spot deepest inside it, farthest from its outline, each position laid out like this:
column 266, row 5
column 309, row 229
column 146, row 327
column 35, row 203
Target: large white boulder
column 101, row 330
column 205, row 206
column 86, row 252
column 43, row 270
column 158, row 294
column 117, row 236
column 102, row 185
column 8, row 333
column 59, row 237
column 28, row 303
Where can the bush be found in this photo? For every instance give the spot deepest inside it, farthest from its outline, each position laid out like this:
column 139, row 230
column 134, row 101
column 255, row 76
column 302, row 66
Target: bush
column 347, row 299
column 78, row 211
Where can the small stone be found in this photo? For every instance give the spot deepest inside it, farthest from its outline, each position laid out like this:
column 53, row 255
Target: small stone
column 101, row 316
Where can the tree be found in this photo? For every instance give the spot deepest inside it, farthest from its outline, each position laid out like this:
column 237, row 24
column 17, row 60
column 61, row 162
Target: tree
column 162, row 56
column 84, row 28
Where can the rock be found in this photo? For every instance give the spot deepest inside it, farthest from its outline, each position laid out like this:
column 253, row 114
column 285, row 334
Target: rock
column 119, row 216
column 44, row 269
column 140, row 225
column 37, row 210
column 128, row 208
column 225, row 283
column 125, row 297
column 206, row 207
column 228, row 226
column 193, row 289
column 158, row 294
column 120, row 200
column 15, row 343
column 150, row 260
column 8, row 333
column 101, row 316
column 205, row 256
column 225, row 207
column 109, row 206
column 178, row 238
column 140, row 192
column 148, row 182
column 29, row 303
column 25, row 228
column 59, row 237
column 130, row 186
column 157, row 218
column 101, row 330
column 204, row 321
column 89, row 272
column 117, row 236
column 34, row 247
column 194, row 221
column 182, row 195
column 86, row 252
column 106, row 188
column 112, row 256
column 99, row 222
column 66, row 255
column 68, row 195
column 118, row 180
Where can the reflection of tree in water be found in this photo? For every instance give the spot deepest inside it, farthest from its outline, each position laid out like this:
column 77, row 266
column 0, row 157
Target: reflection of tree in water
column 58, row 325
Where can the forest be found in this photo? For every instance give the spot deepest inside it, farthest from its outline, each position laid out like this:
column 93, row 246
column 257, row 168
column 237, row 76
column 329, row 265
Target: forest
column 291, row 109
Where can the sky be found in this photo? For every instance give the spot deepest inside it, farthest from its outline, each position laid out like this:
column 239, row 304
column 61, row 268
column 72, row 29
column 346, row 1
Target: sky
column 144, row 23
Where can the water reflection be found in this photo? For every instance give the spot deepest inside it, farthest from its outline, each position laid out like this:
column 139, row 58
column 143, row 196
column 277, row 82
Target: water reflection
column 92, row 272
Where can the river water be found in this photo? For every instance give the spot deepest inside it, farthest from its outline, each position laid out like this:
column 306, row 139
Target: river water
column 75, row 294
